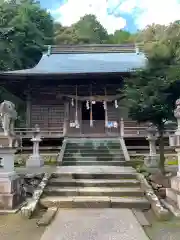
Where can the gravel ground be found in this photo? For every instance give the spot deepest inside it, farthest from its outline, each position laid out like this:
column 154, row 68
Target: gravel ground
column 14, row 227
column 167, row 230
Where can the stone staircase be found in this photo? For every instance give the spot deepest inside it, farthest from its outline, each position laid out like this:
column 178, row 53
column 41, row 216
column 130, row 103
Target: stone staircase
column 94, row 187
column 91, row 152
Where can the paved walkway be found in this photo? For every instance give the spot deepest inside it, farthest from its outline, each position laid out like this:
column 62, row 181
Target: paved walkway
column 95, row 169
column 94, row 224
column 76, row 169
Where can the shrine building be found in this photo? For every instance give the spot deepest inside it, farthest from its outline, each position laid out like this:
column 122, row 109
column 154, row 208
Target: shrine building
column 75, row 90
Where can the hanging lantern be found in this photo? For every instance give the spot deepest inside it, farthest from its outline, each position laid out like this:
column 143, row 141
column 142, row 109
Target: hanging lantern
column 116, row 104
column 115, row 124
column 87, row 105
column 77, row 125
column 91, row 123
column 104, row 105
column 72, row 102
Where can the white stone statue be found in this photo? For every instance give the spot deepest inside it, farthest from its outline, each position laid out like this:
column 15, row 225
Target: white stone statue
column 8, row 115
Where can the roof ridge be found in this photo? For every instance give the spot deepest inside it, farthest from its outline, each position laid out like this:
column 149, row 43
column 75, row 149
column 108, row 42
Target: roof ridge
column 93, row 48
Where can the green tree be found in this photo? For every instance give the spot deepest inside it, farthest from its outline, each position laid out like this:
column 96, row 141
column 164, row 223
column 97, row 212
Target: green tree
column 151, row 92
column 32, row 29
column 90, row 29
column 120, row 37
column 86, row 30
column 147, row 94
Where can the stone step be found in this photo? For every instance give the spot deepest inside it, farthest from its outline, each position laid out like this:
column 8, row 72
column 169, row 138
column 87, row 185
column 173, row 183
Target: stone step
column 93, row 163
column 94, row 153
column 94, row 202
column 93, row 191
column 93, row 144
column 93, row 182
column 90, row 158
column 103, row 175
column 90, row 143
column 93, row 156
column 103, row 153
column 101, row 141
column 80, row 148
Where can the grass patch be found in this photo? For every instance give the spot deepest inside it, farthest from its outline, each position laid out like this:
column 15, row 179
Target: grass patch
column 172, row 162
column 20, row 159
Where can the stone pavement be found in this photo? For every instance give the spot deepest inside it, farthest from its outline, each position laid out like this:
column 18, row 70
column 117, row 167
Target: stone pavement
column 95, row 224
column 75, row 169
column 95, row 169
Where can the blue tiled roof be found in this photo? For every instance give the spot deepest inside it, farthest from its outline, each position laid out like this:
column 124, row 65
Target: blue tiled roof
column 86, row 63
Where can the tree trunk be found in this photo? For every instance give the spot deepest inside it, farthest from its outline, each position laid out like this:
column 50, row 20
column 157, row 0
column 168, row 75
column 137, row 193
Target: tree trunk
column 161, row 151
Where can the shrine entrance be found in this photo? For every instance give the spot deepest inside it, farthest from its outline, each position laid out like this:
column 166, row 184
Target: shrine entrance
column 98, row 112
column 85, row 112
column 93, row 118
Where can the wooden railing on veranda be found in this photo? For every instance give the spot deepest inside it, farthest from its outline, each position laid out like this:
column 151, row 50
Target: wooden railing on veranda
column 124, row 129
column 45, row 132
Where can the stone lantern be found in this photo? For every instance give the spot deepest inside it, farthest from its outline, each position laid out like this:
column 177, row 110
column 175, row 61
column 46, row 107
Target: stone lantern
column 177, row 134
column 173, row 193
column 170, row 127
column 152, row 159
column 35, row 160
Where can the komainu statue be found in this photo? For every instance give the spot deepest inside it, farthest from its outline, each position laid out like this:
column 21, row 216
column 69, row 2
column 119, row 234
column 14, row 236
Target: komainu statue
column 8, row 115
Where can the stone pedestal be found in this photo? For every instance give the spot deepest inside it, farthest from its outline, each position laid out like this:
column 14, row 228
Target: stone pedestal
column 11, row 191
column 9, row 141
column 173, row 193
column 35, row 160
column 151, row 161
column 5, row 141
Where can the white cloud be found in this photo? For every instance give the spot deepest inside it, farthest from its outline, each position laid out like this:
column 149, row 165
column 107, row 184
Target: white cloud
column 127, row 6
column 151, row 11
column 73, row 10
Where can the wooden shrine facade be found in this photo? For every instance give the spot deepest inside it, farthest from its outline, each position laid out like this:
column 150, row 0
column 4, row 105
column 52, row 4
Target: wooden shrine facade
column 76, row 109
column 76, row 90
column 94, row 106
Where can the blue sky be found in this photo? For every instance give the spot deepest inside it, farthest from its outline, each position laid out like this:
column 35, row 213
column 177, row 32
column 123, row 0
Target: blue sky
column 115, row 14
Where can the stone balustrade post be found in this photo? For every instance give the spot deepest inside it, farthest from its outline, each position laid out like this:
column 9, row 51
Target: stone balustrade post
column 122, row 127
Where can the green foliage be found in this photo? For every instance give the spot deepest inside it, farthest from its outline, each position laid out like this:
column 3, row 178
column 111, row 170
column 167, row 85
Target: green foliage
column 88, row 31
column 121, row 37
column 49, row 159
column 151, row 93
column 24, row 30
column 147, row 95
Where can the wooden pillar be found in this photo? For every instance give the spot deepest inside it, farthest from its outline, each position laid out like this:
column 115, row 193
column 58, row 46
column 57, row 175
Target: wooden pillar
column 28, row 109
column 76, row 111
column 66, row 118
column 106, row 113
column 91, row 114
